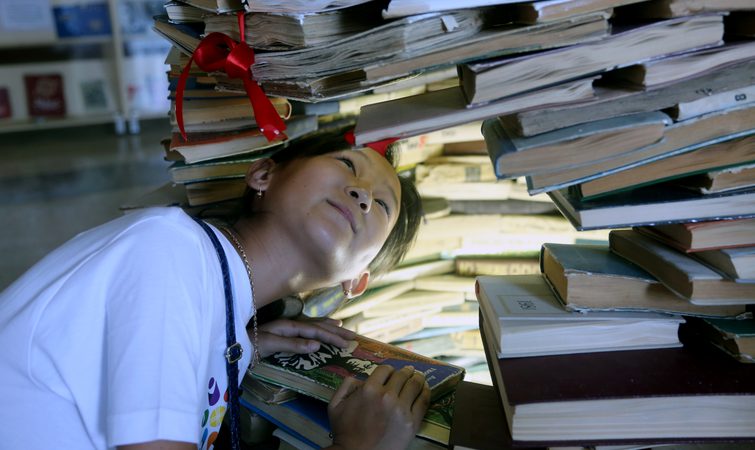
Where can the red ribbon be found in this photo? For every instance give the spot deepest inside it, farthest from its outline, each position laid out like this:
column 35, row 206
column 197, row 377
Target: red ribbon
column 219, row 53
column 379, row 146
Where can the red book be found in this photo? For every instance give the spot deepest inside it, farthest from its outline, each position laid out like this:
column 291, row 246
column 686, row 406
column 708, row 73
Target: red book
column 44, row 95
column 5, row 109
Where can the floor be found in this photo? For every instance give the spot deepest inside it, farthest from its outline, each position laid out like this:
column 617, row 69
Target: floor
column 56, row 183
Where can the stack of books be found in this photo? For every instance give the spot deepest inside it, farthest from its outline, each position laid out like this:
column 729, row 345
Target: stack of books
column 654, row 343
column 292, row 391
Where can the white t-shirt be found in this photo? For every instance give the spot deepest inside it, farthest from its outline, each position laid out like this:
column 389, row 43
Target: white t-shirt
column 118, row 337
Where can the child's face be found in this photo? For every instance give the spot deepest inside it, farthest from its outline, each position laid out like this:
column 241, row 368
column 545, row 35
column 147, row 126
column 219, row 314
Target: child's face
column 342, row 205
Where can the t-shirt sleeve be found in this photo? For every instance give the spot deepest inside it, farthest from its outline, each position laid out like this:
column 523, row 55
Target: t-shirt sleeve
column 154, row 335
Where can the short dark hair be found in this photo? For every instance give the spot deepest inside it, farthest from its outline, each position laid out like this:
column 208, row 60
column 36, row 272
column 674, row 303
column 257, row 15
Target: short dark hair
column 404, row 232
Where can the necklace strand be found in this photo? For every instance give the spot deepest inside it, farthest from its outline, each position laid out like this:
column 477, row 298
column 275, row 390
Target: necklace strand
column 234, row 238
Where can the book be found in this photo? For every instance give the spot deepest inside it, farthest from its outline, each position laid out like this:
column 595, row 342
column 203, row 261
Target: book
column 631, row 397
column 574, row 146
column 508, row 206
column 735, row 337
column 676, row 67
column 550, row 10
column 652, row 205
column 718, row 156
column 471, row 266
column 457, row 343
column 582, row 275
column 704, row 235
column 483, row 81
column 615, row 101
column 320, row 373
column 307, row 420
column 409, row 272
column 411, row 34
column 679, row 272
column 6, row 110
column 389, row 329
column 478, row 420
column 201, row 147
column 286, row 31
column 216, row 6
column 201, row 193
column 416, row 300
column 45, row 96
column 721, row 180
column 470, row 168
column 736, row 263
column 231, row 167
column 436, row 110
column 219, row 109
column 661, row 9
column 403, row 8
column 496, row 40
column 525, row 318
column 718, row 102
column 678, row 138
column 268, row 393
column 298, row 6
column 374, row 296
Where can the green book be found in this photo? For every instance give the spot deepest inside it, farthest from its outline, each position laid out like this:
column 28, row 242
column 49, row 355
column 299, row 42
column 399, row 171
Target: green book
column 319, row 374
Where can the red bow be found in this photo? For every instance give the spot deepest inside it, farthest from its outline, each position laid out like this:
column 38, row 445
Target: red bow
column 219, row 53
column 379, row 146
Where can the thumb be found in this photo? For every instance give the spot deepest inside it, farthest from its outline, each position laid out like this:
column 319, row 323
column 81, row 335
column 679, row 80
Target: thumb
column 349, row 385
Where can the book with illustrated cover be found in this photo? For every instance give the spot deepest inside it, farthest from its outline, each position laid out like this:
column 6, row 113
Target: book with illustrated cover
column 307, row 419
column 319, row 374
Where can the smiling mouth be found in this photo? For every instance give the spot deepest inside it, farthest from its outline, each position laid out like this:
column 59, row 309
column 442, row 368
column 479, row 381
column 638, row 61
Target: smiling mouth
column 346, row 214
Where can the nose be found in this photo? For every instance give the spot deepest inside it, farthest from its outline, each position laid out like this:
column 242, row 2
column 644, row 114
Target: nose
column 362, row 196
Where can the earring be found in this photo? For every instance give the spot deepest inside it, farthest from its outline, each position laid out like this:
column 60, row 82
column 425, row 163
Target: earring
column 347, row 293
column 260, row 194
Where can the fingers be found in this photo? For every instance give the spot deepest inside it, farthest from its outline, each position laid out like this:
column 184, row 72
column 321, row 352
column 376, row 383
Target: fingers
column 346, row 388
column 269, row 343
column 322, row 331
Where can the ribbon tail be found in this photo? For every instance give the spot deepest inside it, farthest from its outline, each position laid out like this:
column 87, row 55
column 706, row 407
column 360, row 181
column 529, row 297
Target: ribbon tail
column 180, row 97
column 267, row 118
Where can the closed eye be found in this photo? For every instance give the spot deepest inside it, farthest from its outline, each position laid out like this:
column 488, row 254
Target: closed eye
column 349, row 163
column 385, row 206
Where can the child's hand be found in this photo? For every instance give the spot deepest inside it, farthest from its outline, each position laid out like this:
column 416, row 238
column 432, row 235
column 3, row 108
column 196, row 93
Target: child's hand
column 299, row 336
column 383, row 412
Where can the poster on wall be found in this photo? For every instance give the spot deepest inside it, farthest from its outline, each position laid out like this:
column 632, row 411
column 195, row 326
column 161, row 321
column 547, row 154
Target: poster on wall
column 44, row 95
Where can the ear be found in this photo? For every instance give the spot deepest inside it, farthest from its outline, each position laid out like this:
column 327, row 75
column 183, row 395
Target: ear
column 259, row 174
column 358, row 285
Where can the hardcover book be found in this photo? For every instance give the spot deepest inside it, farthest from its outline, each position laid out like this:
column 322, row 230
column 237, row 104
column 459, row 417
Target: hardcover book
column 674, row 395
column 652, row 205
column 483, row 81
column 680, row 272
column 319, row 374
column 5, row 106
column 717, row 156
column 735, row 337
column 525, row 318
column 705, row 235
column 45, row 95
column 678, row 138
column 436, row 110
column 612, row 101
column 514, row 156
column 581, row 275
